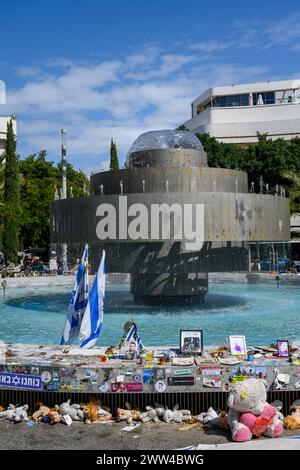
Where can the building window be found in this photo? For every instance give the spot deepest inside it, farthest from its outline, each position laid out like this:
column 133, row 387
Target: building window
column 203, row 106
column 231, row 100
column 268, row 97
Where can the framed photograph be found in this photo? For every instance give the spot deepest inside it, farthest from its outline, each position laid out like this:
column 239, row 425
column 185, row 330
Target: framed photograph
column 191, row 341
column 283, row 348
column 238, row 345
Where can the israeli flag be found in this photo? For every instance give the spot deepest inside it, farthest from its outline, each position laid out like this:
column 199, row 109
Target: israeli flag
column 133, row 335
column 78, row 301
column 92, row 321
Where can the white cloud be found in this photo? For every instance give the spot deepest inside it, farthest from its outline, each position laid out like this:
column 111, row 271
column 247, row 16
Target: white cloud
column 28, row 71
column 210, row 46
column 284, row 32
column 98, row 100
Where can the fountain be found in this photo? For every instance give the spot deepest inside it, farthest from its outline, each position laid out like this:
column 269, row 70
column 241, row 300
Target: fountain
column 146, row 229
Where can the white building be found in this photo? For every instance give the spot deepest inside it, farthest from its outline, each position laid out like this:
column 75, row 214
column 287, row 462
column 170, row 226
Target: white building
column 234, row 114
column 3, row 121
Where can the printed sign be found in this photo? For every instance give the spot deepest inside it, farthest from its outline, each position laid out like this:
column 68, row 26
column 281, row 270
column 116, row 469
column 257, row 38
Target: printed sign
column 20, row 381
column 127, row 387
column 183, row 372
column 210, row 370
column 181, row 380
column 212, row 382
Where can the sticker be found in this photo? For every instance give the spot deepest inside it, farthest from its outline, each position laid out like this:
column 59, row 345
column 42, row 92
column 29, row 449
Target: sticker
column 239, row 378
column 226, row 387
column 53, row 386
column 211, row 382
column 160, row 373
column 104, row 387
column 160, row 386
column 34, row 370
column 93, row 378
column 55, row 376
column 137, row 378
column 69, row 374
column 46, row 377
column 126, row 387
column 210, row 370
column 148, row 376
column 183, row 371
column 129, row 371
column 181, row 380
column 250, row 372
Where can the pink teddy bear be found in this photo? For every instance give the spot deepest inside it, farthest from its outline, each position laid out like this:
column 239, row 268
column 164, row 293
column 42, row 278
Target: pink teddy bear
column 249, row 414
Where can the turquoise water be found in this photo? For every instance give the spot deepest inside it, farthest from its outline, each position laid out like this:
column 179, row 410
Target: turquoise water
column 263, row 313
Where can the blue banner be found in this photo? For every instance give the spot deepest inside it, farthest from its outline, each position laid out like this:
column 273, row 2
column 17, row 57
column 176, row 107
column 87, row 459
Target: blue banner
column 20, row 381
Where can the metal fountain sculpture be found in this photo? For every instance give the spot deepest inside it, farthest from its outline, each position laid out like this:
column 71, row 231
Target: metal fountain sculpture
column 168, row 219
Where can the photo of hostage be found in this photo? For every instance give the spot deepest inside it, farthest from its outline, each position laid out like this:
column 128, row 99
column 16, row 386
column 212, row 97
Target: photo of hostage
column 132, row 352
column 190, row 344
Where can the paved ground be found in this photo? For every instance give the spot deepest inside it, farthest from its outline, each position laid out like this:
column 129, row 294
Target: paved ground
column 110, row 436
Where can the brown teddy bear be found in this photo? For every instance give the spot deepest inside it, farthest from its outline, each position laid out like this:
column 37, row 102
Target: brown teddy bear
column 292, row 421
column 41, row 412
column 127, row 415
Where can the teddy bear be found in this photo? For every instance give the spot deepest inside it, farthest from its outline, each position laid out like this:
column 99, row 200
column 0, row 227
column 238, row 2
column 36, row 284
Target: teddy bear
column 41, row 412
column 70, row 412
column 20, row 414
column 15, row 413
column 54, row 415
column 8, row 413
column 127, row 415
column 292, row 421
column 177, row 415
column 152, row 414
column 213, row 418
column 250, row 414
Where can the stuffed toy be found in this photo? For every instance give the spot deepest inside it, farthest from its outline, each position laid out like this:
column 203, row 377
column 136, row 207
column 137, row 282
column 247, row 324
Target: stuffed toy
column 152, row 414
column 41, row 412
column 71, row 412
column 249, row 413
column 177, row 416
column 94, row 413
column 292, row 421
column 15, row 413
column 127, row 415
column 20, row 414
column 54, row 416
column 9, row 413
column 212, row 418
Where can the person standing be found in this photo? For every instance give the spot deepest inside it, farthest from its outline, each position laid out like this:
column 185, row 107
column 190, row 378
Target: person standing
column 278, row 280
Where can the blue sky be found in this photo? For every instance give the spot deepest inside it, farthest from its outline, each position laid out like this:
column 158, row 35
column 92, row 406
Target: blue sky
column 116, row 69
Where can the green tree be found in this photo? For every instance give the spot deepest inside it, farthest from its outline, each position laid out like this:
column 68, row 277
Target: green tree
column 39, row 179
column 294, row 180
column 268, row 159
column 11, row 199
column 114, row 162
